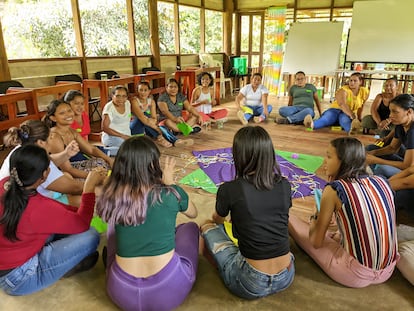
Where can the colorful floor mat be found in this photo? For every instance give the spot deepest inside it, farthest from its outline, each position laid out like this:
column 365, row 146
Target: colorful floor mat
column 217, row 167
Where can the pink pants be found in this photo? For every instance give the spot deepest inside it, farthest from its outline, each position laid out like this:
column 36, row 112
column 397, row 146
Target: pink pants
column 215, row 114
column 335, row 261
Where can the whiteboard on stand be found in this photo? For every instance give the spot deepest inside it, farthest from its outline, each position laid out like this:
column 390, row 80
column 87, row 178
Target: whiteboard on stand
column 313, row 48
column 382, row 32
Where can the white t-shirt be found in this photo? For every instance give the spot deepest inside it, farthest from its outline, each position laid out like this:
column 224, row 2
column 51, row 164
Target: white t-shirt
column 54, row 174
column 253, row 98
column 119, row 122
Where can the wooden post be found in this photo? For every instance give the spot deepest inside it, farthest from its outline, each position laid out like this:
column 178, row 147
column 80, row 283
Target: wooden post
column 154, row 39
column 4, row 64
column 227, row 31
column 80, row 46
column 131, row 35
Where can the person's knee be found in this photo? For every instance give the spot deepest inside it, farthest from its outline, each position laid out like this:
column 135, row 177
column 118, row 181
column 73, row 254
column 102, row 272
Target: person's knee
column 269, row 108
column 221, row 246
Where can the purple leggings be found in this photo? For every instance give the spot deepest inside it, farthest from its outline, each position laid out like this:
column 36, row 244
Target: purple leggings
column 165, row 290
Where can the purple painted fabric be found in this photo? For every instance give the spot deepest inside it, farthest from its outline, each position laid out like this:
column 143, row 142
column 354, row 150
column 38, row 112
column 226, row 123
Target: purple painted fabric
column 218, row 165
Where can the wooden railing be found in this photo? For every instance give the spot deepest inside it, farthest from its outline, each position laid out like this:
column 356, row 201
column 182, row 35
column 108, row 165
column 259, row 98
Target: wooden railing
column 15, row 97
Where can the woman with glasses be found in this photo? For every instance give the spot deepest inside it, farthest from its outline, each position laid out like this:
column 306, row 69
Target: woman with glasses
column 302, row 99
column 116, row 117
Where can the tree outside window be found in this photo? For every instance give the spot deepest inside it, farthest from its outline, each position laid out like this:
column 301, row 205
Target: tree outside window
column 189, row 29
column 104, row 27
column 36, row 29
column 166, row 29
column 213, row 31
column 141, row 27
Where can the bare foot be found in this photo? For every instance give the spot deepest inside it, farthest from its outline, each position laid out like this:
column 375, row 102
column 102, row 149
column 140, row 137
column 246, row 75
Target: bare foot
column 308, row 121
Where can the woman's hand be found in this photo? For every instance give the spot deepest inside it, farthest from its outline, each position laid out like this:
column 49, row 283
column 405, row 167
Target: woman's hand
column 179, row 120
column 384, row 124
column 94, row 178
column 370, row 159
column 168, row 172
column 72, row 149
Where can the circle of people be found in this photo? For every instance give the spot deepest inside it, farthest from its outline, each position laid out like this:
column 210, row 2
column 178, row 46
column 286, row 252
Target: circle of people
column 52, row 177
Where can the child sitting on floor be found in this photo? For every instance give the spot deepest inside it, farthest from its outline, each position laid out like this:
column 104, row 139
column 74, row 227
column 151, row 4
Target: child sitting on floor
column 203, row 99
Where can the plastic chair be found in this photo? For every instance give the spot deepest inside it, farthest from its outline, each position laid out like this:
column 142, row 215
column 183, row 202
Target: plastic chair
column 206, row 60
column 109, row 73
column 93, row 102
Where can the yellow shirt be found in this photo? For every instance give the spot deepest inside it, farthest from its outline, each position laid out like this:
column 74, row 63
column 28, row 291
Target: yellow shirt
column 354, row 102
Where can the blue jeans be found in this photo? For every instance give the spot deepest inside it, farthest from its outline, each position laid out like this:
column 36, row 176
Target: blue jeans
column 257, row 111
column 137, row 127
column 46, row 267
column 333, row 116
column 238, row 275
column 385, row 170
column 296, row 114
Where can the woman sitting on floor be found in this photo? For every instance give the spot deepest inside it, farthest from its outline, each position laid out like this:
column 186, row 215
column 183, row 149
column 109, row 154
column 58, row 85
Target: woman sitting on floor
column 364, row 251
column 258, row 200
column 346, row 109
column 41, row 239
column 151, row 263
column 399, row 153
column 59, row 118
column 172, row 103
column 58, row 186
column 251, row 102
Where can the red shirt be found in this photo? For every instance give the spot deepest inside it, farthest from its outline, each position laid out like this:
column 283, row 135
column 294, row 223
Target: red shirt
column 84, row 130
column 42, row 218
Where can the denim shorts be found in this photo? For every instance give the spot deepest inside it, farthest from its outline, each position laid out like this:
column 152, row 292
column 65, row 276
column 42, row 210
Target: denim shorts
column 238, row 275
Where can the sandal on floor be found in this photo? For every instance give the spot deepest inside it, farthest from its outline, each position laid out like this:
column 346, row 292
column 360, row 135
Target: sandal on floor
column 163, row 142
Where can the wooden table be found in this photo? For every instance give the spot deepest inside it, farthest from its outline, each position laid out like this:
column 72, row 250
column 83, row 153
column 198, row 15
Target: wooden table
column 188, row 79
column 8, row 104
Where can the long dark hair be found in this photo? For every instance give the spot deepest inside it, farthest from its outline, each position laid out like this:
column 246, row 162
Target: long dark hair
column 135, row 175
column 29, row 132
column 254, row 157
column 351, row 153
column 51, row 110
column 404, row 101
column 27, row 165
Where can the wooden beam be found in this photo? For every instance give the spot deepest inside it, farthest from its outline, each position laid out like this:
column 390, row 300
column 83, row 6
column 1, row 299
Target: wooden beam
column 131, row 35
column 154, row 38
column 227, row 31
column 80, row 46
column 4, row 63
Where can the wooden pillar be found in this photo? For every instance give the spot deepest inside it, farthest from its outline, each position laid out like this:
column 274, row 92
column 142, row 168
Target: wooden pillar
column 131, row 35
column 80, row 46
column 154, row 39
column 227, row 32
column 4, row 63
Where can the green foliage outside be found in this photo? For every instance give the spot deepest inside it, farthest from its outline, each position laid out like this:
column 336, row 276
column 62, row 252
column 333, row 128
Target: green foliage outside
column 44, row 28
